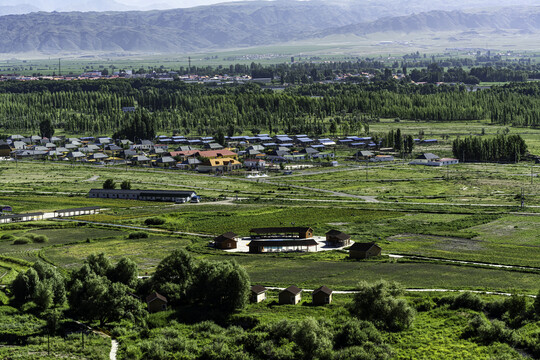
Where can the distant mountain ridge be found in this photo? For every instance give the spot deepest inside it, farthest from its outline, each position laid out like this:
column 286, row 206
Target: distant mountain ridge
column 231, row 25
column 179, row 30
column 527, row 18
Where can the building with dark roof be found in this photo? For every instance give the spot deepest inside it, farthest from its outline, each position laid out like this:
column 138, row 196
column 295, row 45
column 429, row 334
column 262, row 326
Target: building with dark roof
column 156, row 302
column 321, row 296
column 338, row 238
column 89, row 210
column 226, row 241
column 364, row 250
column 291, row 295
column 264, row 246
column 144, row 195
column 282, row 232
column 257, row 293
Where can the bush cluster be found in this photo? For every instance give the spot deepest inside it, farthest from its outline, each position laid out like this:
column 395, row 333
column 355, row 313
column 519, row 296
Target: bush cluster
column 154, row 221
column 28, row 238
column 138, row 235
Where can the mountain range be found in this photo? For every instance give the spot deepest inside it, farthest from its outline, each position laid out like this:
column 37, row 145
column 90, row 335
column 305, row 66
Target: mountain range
column 240, row 24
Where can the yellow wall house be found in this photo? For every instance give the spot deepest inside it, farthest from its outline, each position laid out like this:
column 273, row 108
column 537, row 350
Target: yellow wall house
column 220, row 165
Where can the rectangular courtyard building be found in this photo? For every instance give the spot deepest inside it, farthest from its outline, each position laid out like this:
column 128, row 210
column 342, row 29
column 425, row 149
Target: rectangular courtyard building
column 144, row 195
column 282, row 232
column 264, row 246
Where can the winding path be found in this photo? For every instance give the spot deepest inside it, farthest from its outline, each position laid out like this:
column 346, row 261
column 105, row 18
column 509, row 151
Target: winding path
column 114, row 349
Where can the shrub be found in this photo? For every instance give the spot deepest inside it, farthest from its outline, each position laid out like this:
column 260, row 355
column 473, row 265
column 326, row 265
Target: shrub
column 40, row 239
column 7, row 237
column 487, row 332
column 138, row 235
column 378, row 303
column 154, row 221
column 424, row 304
column 21, row 241
column 468, row 300
column 356, row 333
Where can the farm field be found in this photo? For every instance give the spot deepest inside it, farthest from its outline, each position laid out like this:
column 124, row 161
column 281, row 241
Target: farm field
column 469, row 212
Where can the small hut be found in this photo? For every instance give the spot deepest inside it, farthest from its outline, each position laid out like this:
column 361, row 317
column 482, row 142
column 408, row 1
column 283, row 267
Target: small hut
column 291, row 295
column 156, row 302
column 322, row 296
column 226, row 241
column 364, row 250
column 258, row 293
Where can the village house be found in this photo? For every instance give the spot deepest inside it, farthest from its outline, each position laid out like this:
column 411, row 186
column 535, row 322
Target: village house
column 338, row 238
column 364, row 250
column 322, row 296
column 291, row 296
column 156, row 302
column 257, row 164
column 5, row 149
column 226, row 241
column 220, row 165
column 257, row 293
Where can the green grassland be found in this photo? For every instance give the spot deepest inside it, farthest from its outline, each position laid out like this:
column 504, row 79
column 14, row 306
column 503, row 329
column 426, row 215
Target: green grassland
column 436, row 333
column 32, row 342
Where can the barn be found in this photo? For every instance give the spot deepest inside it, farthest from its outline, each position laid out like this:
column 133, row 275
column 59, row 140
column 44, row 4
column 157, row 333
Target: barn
column 226, row 241
column 364, row 250
column 338, row 238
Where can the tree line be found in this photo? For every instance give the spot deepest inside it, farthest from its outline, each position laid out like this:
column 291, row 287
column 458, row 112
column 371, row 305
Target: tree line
column 505, row 148
column 97, row 107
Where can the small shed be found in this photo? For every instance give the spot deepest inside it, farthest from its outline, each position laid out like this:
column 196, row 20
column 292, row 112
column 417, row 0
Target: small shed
column 322, row 296
column 156, row 302
column 364, row 250
column 291, row 295
column 257, row 294
column 338, row 238
column 226, row 241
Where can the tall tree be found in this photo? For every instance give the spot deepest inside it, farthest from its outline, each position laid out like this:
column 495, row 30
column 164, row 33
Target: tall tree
column 46, row 128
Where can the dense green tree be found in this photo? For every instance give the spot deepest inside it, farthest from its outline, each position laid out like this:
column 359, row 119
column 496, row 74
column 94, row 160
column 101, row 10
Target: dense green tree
column 109, row 184
column 97, row 298
column 378, row 303
column 223, row 285
column 125, row 185
column 537, row 304
column 24, row 285
column 174, row 276
column 125, row 272
column 99, row 264
column 46, row 128
column 41, row 283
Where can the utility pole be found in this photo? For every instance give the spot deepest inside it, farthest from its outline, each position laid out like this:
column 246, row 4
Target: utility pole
column 367, row 168
column 59, row 68
column 189, row 66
